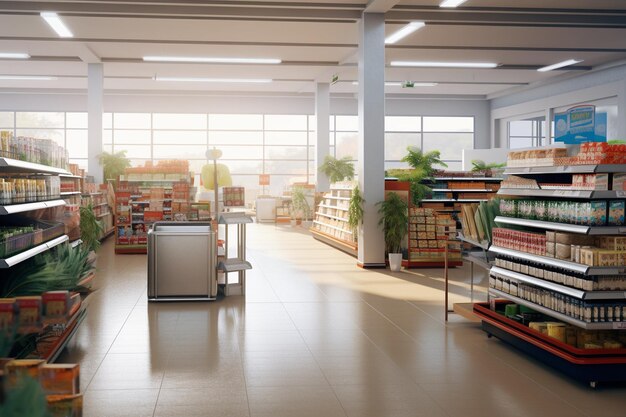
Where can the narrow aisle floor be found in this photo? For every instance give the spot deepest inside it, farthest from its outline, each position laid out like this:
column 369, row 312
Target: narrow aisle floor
column 314, row 336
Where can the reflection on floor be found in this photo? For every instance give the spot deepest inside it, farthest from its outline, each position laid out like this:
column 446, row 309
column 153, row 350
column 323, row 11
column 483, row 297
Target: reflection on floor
column 314, row 336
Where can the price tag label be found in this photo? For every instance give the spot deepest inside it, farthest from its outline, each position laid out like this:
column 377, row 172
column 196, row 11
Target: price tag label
column 619, row 325
column 621, row 230
column 620, row 193
column 560, row 168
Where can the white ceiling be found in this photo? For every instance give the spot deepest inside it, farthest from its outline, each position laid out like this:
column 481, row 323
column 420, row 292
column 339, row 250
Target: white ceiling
column 314, row 41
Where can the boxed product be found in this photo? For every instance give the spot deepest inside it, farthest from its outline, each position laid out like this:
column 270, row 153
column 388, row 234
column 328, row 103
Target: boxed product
column 8, row 313
column 616, row 212
column 619, row 182
column 29, row 314
column 550, row 236
column 16, row 369
column 590, row 182
column 65, row 405
column 62, row 379
column 56, row 305
column 550, row 249
column 563, row 251
column 612, row 242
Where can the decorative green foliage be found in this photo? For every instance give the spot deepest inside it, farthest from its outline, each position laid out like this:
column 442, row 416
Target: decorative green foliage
column 337, row 169
column 355, row 209
column 114, row 164
column 90, row 228
column 299, row 203
column 394, row 218
column 422, row 162
column 478, row 165
column 25, row 400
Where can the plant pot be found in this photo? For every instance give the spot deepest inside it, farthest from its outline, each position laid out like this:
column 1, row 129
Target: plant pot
column 395, row 262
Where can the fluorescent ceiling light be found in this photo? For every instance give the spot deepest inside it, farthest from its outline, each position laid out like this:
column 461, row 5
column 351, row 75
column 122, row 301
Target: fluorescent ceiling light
column 560, row 65
column 13, row 55
column 214, row 80
column 399, row 84
column 429, row 64
column 404, row 32
column 57, row 24
column 28, row 77
column 451, row 3
column 211, row 60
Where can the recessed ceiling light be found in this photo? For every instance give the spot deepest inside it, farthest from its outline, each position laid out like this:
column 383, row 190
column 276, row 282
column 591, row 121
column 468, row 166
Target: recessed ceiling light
column 404, row 32
column 57, row 24
column 560, row 65
column 452, row 3
column 28, row 77
column 214, row 80
column 429, row 64
column 13, row 55
column 211, row 60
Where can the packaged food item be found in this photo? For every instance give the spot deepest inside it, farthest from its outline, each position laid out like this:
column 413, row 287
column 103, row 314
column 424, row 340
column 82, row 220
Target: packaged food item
column 29, row 314
column 8, row 313
column 563, row 251
column 619, row 182
column 616, row 212
column 60, row 378
column 56, row 305
column 16, row 369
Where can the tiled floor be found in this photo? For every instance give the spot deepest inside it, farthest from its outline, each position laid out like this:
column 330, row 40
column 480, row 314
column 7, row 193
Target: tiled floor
column 315, row 336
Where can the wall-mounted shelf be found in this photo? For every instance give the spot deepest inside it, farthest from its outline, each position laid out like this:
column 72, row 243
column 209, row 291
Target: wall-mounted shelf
column 15, row 165
column 566, row 169
column 562, row 289
column 563, row 227
column 21, row 208
column 27, row 254
column 556, row 193
column 67, row 193
column 558, row 263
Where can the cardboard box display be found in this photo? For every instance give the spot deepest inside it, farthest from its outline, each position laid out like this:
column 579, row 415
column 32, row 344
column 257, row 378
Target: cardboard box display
column 60, row 379
column 56, row 305
column 563, row 251
column 619, row 182
column 8, row 313
column 29, row 314
column 550, row 236
column 16, row 369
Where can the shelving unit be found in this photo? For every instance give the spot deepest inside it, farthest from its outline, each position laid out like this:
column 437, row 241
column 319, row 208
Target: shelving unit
column 521, row 288
column 238, row 263
column 331, row 219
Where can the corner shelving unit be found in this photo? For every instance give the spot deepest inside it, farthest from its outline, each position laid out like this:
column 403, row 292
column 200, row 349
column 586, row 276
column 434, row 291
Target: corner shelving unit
column 331, row 219
column 588, row 365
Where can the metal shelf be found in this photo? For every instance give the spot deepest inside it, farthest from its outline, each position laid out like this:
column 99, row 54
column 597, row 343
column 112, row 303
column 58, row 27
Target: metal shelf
column 460, row 190
column 234, row 218
column 22, row 256
column 153, row 180
column 15, row 165
column 72, row 176
column 588, row 194
column 557, row 315
column 563, row 227
column 234, row 265
column 331, row 217
column 483, row 245
column 463, row 179
column 558, row 263
column 20, row 208
column 333, row 207
column 332, row 197
column 562, row 289
column 449, row 200
column 76, row 242
column 62, row 193
column 569, row 169
column 102, row 215
column 332, row 227
column 477, row 261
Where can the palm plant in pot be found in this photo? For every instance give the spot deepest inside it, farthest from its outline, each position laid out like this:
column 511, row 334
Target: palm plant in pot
column 300, row 208
column 394, row 218
column 337, row 169
column 355, row 210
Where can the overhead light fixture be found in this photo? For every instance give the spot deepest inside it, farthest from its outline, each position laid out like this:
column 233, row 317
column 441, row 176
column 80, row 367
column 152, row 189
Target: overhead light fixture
column 404, row 32
column 560, row 65
column 214, row 80
column 411, row 84
column 402, row 84
column 211, row 60
column 451, row 3
column 13, row 55
column 57, row 24
column 429, row 64
column 27, row 77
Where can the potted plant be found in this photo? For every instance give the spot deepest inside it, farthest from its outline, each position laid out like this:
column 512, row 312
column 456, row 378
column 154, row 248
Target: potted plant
column 300, row 208
column 422, row 167
column 114, row 164
column 394, row 218
column 487, row 170
column 90, row 228
column 337, row 169
column 355, row 210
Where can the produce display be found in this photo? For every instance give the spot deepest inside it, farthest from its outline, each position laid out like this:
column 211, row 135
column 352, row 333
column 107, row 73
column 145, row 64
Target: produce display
column 28, row 190
column 39, row 151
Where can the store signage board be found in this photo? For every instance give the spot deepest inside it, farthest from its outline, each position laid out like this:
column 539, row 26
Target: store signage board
column 264, row 179
column 580, row 124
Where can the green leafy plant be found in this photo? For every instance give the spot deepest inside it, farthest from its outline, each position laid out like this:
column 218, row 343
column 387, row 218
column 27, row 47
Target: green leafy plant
column 616, row 142
column 48, row 272
column 337, row 169
column 90, row 228
column 478, row 165
column 25, row 399
column 114, row 164
column 422, row 163
column 355, row 210
column 299, row 204
column 394, row 219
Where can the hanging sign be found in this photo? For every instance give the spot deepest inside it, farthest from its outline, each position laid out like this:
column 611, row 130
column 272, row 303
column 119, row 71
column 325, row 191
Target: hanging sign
column 580, row 124
column 264, row 179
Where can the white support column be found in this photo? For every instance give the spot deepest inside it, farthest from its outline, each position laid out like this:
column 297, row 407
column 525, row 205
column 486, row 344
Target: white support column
column 549, row 118
column 371, row 166
column 95, row 107
column 621, row 112
column 322, row 143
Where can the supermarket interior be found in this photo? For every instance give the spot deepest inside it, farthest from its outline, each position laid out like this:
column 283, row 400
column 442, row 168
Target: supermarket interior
column 278, row 208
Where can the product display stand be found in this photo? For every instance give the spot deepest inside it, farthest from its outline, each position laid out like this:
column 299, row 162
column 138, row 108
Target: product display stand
column 239, row 263
column 564, row 301
column 479, row 257
column 331, row 219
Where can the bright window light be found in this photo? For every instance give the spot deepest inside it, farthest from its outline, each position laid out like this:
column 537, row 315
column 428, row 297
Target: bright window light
column 404, row 32
column 451, row 3
column 429, row 64
column 214, row 80
column 13, row 55
column 28, row 77
column 559, row 65
column 57, row 24
column 211, row 60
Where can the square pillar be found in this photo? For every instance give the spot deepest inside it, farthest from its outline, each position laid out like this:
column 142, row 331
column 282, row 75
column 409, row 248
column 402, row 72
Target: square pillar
column 322, row 143
column 371, row 165
column 95, row 109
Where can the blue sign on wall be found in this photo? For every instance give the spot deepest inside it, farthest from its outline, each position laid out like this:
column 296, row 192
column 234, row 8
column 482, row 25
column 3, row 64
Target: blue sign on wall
column 580, row 124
